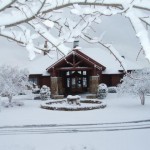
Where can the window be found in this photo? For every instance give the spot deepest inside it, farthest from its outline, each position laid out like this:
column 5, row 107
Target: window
column 33, row 80
column 84, row 72
column 68, row 82
column 84, row 82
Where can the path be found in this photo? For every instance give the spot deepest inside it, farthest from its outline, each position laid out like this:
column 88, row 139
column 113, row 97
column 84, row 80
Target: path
column 74, row 128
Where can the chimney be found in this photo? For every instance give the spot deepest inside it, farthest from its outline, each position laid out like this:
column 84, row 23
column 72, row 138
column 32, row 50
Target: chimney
column 45, row 48
column 75, row 43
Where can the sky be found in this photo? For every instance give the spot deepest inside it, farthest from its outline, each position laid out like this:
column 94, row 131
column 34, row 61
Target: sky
column 117, row 29
column 120, row 33
column 12, row 53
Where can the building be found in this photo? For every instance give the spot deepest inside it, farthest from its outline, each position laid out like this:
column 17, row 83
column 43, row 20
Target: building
column 80, row 71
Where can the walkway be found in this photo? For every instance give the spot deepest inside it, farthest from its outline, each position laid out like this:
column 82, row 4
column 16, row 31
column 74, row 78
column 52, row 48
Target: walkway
column 74, row 128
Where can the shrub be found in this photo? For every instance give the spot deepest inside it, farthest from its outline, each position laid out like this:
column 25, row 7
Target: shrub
column 112, row 89
column 102, row 91
column 45, row 92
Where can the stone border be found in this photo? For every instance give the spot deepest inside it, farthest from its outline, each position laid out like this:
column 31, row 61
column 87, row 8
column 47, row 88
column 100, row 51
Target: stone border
column 49, row 106
column 72, row 109
column 55, row 102
column 91, row 101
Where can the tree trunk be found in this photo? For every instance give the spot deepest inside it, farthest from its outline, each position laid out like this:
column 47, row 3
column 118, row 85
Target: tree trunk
column 142, row 98
column 10, row 98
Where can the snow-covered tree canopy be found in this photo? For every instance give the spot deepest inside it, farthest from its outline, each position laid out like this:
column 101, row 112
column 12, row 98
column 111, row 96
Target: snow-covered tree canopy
column 12, row 81
column 138, row 85
column 30, row 22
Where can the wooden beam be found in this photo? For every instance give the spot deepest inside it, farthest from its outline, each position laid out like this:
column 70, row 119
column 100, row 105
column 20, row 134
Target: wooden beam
column 77, row 63
column 74, row 69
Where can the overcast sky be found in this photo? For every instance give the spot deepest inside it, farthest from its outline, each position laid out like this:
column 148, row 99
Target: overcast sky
column 118, row 31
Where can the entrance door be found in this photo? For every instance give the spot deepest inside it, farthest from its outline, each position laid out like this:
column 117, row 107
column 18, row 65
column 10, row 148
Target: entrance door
column 76, row 82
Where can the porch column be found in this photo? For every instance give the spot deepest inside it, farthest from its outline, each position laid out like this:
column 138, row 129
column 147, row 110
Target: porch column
column 93, row 84
column 60, row 86
column 56, row 86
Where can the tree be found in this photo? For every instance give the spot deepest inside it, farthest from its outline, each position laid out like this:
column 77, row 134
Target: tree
column 12, row 81
column 136, row 83
column 30, row 22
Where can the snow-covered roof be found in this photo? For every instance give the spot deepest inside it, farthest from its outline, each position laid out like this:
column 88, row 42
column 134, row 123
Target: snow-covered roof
column 40, row 63
column 102, row 56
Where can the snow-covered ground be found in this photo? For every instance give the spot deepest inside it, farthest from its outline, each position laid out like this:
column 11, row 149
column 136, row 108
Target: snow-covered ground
column 119, row 109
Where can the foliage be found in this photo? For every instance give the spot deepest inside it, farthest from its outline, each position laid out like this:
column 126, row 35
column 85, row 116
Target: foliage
column 12, row 81
column 36, row 90
column 45, row 92
column 102, row 91
column 112, row 89
column 13, row 104
column 136, row 83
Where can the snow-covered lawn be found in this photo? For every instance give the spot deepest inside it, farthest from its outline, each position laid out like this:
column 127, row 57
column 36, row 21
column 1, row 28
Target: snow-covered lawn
column 119, row 109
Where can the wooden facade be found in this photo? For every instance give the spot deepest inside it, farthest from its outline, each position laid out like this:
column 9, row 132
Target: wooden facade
column 111, row 79
column 40, row 80
column 76, row 73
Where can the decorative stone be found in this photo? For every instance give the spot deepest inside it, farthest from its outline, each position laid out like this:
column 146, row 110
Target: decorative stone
column 57, row 96
column 73, row 99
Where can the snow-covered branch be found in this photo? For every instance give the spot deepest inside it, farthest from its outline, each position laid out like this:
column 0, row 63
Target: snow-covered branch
column 62, row 21
column 25, row 12
column 5, row 4
column 108, row 47
column 141, row 32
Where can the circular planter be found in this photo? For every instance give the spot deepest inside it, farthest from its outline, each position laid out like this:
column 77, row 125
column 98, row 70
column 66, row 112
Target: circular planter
column 64, row 106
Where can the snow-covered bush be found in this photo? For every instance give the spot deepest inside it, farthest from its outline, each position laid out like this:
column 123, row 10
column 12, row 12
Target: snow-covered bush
column 112, row 89
column 36, row 90
column 12, row 81
column 45, row 92
column 136, row 83
column 13, row 104
column 102, row 91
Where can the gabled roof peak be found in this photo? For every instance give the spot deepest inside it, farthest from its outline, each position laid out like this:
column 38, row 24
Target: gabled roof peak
column 81, row 56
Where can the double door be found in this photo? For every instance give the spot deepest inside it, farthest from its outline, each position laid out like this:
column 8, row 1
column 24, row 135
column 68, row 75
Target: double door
column 76, row 82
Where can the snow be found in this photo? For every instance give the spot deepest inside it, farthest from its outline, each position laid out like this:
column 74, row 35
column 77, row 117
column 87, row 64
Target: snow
column 115, row 107
column 73, row 97
column 141, row 32
column 98, row 54
column 31, row 49
column 41, row 63
column 4, row 3
column 126, row 140
column 129, row 108
column 66, row 26
column 105, row 58
column 49, row 23
column 119, row 109
column 11, row 17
